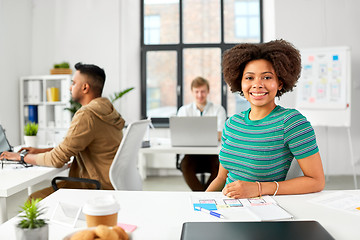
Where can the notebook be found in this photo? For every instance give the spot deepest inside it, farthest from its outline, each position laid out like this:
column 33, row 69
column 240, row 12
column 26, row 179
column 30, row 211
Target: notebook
column 193, row 131
column 282, row 230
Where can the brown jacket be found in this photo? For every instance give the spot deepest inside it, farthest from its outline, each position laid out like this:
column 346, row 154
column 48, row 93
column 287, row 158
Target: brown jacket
column 93, row 138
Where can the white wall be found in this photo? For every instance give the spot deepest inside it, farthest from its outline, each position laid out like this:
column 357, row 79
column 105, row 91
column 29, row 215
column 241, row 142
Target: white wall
column 77, row 31
column 325, row 23
column 15, row 49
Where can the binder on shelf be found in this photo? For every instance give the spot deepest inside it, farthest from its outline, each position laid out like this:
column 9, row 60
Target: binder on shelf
column 58, row 109
column 34, row 91
column 52, row 94
column 33, row 113
column 64, row 91
column 41, row 116
column 41, row 135
column 26, row 114
column 66, row 118
column 25, row 91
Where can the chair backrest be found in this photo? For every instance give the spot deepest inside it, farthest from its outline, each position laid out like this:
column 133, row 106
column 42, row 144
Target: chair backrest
column 294, row 170
column 123, row 173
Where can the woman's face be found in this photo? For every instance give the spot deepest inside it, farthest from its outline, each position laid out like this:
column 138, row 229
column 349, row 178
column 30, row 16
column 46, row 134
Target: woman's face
column 260, row 84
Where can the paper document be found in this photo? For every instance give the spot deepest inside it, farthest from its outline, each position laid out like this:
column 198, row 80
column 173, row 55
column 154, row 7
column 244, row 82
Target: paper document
column 340, row 200
column 263, row 209
column 270, row 212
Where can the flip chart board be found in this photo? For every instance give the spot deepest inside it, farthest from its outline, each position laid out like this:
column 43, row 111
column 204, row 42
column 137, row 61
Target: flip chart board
column 324, row 88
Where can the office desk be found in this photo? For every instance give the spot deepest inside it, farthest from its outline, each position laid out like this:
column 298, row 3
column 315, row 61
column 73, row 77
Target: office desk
column 160, row 215
column 167, row 148
column 15, row 180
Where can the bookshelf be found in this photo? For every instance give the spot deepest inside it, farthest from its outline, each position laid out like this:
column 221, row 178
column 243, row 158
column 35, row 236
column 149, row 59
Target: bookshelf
column 43, row 99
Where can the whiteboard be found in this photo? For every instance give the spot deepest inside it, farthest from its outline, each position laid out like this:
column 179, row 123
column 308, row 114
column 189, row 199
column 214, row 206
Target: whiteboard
column 324, row 88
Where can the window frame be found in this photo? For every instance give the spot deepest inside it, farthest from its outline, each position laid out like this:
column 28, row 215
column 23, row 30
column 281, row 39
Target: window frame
column 178, row 48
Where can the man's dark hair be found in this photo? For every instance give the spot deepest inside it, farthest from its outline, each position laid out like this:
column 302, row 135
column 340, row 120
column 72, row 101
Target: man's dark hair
column 96, row 76
column 284, row 57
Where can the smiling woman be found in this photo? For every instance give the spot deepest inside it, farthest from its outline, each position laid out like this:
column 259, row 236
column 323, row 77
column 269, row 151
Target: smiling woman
column 259, row 144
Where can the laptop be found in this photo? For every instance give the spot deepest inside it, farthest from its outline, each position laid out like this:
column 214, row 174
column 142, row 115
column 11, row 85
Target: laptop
column 193, row 131
column 4, row 142
column 282, row 230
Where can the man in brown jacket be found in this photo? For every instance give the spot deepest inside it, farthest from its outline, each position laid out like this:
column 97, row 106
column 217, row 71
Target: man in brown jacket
column 93, row 138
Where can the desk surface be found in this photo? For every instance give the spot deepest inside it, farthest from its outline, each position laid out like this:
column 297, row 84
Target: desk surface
column 167, row 148
column 160, row 215
column 15, row 180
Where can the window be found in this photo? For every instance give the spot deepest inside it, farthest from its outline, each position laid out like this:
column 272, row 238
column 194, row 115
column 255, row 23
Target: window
column 183, row 39
column 152, row 29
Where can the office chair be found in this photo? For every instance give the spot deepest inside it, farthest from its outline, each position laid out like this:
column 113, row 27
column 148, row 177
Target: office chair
column 294, row 170
column 123, row 173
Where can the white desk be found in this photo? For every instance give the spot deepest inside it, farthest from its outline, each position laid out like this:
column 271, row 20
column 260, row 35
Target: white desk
column 15, row 180
column 160, row 215
column 167, row 148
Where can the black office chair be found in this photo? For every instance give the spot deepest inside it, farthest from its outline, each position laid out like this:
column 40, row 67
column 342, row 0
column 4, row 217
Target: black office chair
column 73, row 179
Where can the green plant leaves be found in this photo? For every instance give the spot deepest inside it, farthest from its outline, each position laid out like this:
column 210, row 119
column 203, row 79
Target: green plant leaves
column 118, row 95
column 31, row 214
column 62, row 65
column 31, row 129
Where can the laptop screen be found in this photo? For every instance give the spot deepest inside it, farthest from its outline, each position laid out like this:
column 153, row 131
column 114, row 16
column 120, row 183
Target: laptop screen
column 193, row 131
column 4, row 143
column 294, row 230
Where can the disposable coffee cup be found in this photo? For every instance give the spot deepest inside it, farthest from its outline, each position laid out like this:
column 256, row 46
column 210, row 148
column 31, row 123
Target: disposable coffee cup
column 101, row 210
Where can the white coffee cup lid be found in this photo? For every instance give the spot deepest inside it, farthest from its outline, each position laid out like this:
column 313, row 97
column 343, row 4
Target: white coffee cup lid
column 101, row 206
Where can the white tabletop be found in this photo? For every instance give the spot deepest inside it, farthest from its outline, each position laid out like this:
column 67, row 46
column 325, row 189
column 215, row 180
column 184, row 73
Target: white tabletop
column 167, row 148
column 15, row 180
column 160, row 215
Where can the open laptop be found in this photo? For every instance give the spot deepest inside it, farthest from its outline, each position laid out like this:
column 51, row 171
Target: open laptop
column 4, row 142
column 282, row 230
column 193, row 131
column 5, row 146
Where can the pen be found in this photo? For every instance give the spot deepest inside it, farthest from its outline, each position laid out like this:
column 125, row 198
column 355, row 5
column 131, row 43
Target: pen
column 215, row 214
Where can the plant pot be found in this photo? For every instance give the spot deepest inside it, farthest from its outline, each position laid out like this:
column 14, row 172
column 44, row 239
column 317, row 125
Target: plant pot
column 32, row 234
column 60, row 71
column 31, row 141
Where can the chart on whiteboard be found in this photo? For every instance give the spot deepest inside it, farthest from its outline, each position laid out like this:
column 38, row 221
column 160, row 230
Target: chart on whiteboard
column 324, row 78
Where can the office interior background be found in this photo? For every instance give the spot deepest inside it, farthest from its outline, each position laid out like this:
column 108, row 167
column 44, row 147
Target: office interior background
column 35, row 34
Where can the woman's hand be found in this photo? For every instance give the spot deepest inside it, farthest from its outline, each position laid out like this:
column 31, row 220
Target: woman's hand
column 241, row 189
column 10, row 156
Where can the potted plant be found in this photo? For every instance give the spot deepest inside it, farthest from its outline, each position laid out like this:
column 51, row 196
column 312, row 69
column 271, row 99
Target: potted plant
column 31, row 226
column 30, row 131
column 61, row 68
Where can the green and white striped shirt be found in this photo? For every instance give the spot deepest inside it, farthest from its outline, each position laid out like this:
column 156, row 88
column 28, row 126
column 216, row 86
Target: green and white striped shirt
column 262, row 150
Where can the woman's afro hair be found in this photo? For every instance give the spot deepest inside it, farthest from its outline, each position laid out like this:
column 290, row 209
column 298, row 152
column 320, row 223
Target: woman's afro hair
column 284, row 57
